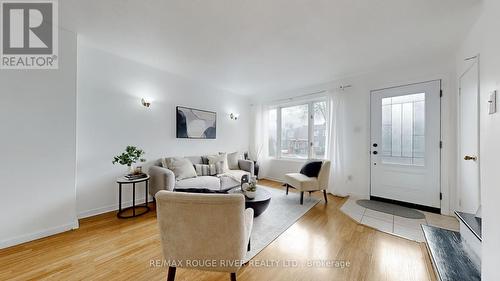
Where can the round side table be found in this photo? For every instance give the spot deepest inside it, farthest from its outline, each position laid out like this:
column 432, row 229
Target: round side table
column 136, row 210
column 259, row 204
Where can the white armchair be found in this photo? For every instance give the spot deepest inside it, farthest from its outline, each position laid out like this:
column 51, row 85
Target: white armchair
column 198, row 229
column 310, row 184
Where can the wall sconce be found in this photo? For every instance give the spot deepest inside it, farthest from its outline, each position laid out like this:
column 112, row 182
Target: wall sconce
column 234, row 116
column 145, row 102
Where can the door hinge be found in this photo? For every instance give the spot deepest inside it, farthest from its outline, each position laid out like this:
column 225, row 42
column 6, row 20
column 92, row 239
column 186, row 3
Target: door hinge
column 441, row 93
column 440, row 144
column 440, row 196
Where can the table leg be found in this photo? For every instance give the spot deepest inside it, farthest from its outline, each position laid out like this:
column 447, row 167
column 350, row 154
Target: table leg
column 133, row 199
column 146, row 198
column 120, row 198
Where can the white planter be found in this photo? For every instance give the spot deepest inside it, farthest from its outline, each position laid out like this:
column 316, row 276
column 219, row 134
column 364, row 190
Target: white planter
column 250, row 194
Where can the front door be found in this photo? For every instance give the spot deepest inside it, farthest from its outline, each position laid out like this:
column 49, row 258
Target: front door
column 469, row 141
column 405, row 143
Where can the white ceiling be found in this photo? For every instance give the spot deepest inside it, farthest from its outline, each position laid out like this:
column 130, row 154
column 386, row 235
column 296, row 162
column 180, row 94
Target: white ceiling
column 266, row 46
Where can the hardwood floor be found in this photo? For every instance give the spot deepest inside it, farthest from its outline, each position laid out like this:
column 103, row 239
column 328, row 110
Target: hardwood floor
column 107, row 248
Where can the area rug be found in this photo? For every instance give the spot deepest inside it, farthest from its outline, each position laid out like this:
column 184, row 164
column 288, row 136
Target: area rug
column 283, row 211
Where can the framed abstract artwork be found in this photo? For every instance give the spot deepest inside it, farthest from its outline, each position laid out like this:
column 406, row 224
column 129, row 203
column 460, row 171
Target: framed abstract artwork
column 196, row 124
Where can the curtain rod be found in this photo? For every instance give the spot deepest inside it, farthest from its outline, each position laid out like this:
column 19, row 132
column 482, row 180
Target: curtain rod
column 341, row 87
column 301, row 96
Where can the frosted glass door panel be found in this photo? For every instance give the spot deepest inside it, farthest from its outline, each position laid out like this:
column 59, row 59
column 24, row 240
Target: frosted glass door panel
column 403, row 130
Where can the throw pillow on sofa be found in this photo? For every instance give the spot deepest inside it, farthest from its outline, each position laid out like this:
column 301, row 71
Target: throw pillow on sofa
column 219, row 168
column 182, row 168
column 232, row 160
column 205, row 170
column 214, row 159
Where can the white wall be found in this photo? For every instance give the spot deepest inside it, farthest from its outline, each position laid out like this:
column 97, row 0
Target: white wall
column 37, row 170
column 358, row 122
column 111, row 117
column 484, row 39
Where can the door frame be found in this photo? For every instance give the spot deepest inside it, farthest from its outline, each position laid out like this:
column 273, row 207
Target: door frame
column 476, row 61
column 411, row 205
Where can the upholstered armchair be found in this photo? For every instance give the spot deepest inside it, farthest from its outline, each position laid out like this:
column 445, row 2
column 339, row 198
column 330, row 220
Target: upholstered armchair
column 304, row 183
column 203, row 231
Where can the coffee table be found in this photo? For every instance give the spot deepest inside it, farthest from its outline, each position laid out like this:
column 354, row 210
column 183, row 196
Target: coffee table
column 259, row 204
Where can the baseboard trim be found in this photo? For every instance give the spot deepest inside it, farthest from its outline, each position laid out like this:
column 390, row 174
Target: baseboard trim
column 110, row 208
column 273, row 179
column 37, row 235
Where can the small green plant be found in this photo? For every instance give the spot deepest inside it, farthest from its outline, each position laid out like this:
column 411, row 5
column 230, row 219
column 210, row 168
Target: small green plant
column 252, row 186
column 131, row 155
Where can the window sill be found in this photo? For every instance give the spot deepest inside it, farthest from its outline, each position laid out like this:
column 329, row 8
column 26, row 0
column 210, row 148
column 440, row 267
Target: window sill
column 283, row 159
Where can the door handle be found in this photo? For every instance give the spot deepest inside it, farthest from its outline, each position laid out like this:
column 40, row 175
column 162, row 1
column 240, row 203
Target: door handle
column 467, row 158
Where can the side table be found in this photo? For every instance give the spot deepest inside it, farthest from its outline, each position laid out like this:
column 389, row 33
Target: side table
column 136, row 210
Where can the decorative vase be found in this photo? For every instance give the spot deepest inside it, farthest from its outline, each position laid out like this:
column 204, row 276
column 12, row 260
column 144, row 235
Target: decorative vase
column 138, row 170
column 131, row 170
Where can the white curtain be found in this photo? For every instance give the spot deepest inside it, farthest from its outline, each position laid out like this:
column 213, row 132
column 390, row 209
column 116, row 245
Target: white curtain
column 337, row 141
column 259, row 146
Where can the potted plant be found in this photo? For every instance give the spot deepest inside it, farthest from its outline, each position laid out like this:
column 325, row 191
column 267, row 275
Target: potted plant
column 251, row 188
column 131, row 155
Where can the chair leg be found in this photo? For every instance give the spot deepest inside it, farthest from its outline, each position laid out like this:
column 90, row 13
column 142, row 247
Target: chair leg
column 287, row 187
column 324, row 195
column 248, row 246
column 302, row 198
column 233, row 276
column 171, row 273
column 310, row 193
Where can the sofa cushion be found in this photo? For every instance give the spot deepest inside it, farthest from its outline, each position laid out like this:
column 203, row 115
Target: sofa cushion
column 311, row 169
column 182, row 168
column 232, row 160
column 208, row 182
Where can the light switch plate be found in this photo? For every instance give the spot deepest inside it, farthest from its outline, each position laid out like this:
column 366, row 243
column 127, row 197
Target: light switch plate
column 492, row 102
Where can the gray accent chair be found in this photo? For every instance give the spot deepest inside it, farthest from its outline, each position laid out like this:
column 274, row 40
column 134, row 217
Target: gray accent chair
column 164, row 179
column 310, row 184
column 204, row 227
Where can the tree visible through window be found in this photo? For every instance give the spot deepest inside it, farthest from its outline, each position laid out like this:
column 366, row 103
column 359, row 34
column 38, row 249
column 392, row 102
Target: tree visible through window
column 299, row 131
column 319, row 130
column 295, row 131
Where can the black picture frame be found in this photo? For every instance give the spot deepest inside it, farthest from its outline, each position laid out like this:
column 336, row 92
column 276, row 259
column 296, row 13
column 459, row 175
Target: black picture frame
column 187, row 116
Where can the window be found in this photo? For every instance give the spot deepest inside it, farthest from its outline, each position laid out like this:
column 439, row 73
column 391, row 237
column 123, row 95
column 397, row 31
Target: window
column 403, row 130
column 273, row 132
column 299, row 131
column 295, row 131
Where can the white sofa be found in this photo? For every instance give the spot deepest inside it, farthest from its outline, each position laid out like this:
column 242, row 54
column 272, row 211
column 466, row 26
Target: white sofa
column 164, row 179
